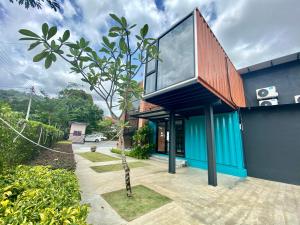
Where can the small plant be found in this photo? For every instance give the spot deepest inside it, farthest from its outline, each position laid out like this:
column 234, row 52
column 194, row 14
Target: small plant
column 93, row 148
column 40, row 195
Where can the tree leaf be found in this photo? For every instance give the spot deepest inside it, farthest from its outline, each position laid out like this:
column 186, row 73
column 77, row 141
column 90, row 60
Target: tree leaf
column 66, row 35
column 52, row 31
column 33, row 45
column 28, row 33
column 45, row 29
column 40, row 56
column 124, row 22
column 84, row 58
column 123, row 45
column 111, row 34
column 115, row 18
column 132, row 26
column 53, row 56
column 144, row 30
column 29, row 39
column 72, row 45
column 106, row 41
column 48, row 61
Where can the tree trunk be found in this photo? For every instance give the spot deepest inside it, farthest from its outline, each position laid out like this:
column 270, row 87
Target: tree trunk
column 124, row 163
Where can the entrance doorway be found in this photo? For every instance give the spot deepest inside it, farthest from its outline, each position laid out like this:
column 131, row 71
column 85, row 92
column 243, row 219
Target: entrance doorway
column 163, row 137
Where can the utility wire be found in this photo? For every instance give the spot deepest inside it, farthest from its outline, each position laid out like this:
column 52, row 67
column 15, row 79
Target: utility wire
column 33, row 142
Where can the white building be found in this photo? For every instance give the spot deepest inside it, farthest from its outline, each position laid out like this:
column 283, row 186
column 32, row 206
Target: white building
column 77, row 132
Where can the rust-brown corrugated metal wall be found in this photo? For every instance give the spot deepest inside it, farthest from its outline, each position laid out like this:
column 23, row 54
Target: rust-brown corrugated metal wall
column 215, row 70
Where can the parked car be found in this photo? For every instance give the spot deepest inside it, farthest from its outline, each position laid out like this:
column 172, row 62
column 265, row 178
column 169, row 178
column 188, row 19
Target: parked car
column 95, row 138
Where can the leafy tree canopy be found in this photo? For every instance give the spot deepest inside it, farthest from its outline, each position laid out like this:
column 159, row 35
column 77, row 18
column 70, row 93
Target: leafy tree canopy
column 70, row 105
column 38, row 3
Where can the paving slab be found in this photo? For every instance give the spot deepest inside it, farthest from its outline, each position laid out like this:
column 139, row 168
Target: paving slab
column 233, row 201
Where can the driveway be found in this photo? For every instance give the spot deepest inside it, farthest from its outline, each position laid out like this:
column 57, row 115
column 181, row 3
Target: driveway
column 233, row 201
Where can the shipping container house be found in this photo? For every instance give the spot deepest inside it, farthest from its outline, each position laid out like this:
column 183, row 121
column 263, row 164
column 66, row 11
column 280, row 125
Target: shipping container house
column 196, row 92
column 204, row 111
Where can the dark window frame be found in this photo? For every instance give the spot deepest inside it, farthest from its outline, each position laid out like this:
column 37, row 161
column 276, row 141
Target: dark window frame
column 166, row 122
column 157, row 43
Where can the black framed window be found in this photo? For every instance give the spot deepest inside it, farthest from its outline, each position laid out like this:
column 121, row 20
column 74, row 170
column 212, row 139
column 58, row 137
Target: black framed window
column 151, row 66
column 150, row 83
column 176, row 51
column 177, row 55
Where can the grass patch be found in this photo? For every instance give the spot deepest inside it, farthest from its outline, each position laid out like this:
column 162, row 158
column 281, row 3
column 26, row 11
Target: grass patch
column 65, row 142
column 143, row 201
column 119, row 151
column 97, row 157
column 116, row 167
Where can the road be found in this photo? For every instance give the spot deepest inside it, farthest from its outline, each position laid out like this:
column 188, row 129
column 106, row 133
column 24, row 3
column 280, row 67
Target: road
column 103, row 145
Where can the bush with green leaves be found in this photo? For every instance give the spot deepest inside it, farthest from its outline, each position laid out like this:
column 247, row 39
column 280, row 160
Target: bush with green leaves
column 20, row 151
column 40, row 195
column 142, row 146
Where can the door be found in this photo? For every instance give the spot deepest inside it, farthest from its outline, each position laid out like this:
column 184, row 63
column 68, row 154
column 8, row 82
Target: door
column 161, row 137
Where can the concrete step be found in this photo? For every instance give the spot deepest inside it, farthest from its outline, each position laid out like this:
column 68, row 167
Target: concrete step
column 180, row 162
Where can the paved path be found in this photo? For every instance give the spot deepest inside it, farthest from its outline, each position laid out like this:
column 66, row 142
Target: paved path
column 234, row 201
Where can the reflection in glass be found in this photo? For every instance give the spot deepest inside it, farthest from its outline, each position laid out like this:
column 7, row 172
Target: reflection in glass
column 177, row 54
column 150, row 83
column 151, row 65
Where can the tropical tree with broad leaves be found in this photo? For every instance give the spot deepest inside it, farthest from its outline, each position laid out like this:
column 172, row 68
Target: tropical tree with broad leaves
column 110, row 71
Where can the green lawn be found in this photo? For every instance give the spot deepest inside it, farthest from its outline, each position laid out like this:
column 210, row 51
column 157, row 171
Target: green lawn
column 143, row 201
column 116, row 167
column 97, row 157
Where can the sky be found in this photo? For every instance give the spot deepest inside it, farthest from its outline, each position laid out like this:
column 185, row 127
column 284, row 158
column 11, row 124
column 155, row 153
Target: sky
column 250, row 31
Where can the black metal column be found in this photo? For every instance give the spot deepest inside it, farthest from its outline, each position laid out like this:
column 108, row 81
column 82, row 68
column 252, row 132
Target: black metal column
column 172, row 150
column 211, row 152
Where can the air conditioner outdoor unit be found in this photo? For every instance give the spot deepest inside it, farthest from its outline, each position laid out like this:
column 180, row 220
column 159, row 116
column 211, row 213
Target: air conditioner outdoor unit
column 268, row 102
column 297, row 98
column 266, row 93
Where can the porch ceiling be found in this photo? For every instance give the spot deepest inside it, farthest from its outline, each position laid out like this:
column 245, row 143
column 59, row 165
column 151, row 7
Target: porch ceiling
column 184, row 112
column 188, row 96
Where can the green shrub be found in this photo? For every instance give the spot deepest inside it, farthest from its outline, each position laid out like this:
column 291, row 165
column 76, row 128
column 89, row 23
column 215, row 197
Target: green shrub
column 40, row 195
column 141, row 151
column 21, row 151
column 142, row 146
column 118, row 151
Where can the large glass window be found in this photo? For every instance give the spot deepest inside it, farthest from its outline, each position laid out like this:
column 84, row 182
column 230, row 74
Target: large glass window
column 177, row 55
column 150, row 83
column 151, row 65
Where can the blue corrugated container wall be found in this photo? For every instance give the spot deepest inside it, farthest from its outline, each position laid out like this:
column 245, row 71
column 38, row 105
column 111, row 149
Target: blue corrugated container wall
column 228, row 142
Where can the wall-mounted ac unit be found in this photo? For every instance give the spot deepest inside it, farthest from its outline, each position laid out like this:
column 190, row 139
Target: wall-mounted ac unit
column 268, row 102
column 297, row 98
column 266, row 93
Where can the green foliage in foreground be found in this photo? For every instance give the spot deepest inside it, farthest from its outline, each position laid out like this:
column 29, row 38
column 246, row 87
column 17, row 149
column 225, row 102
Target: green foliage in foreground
column 143, row 201
column 40, row 195
column 21, row 151
column 116, row 167
column 97, row 157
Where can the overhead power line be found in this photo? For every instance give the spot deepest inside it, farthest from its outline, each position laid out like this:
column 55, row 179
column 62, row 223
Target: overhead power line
column 33, row 142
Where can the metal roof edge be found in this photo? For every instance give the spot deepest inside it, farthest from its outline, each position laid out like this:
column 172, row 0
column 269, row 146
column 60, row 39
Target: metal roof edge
column 270, row 63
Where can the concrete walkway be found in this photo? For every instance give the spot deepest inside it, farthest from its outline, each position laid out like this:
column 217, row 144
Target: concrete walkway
column 234, row 201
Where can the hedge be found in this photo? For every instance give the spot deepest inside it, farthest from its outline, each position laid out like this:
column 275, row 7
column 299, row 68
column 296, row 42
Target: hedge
column 40, row 195
column 21, row 151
